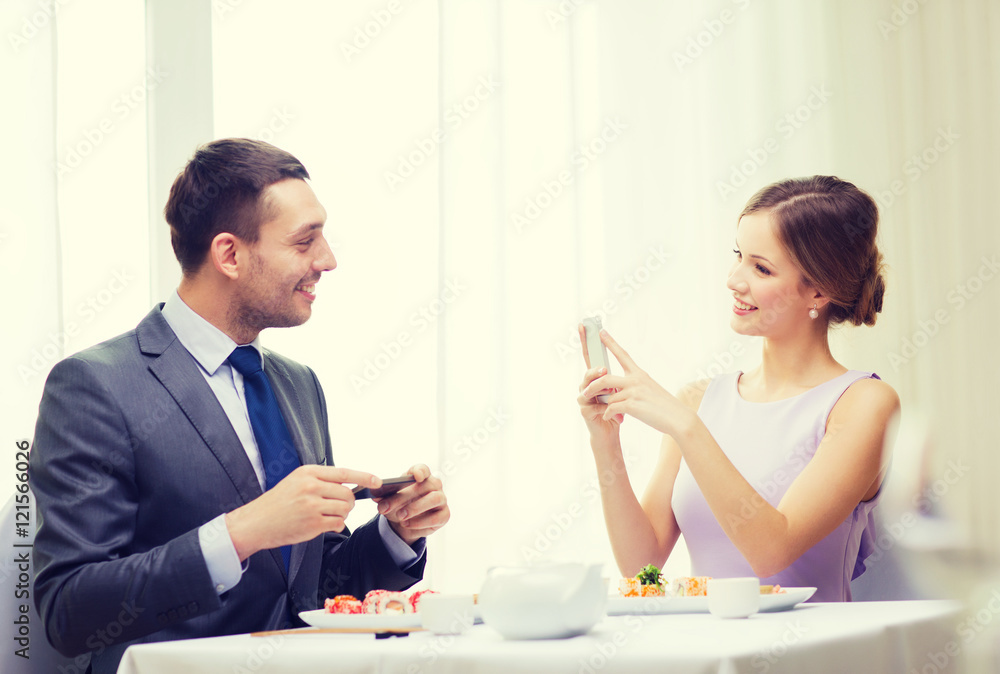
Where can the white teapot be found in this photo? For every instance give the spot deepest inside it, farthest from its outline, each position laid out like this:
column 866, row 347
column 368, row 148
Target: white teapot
column 544, row 601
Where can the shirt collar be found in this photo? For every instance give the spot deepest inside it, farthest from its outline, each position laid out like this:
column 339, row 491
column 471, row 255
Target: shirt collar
column 209, row 345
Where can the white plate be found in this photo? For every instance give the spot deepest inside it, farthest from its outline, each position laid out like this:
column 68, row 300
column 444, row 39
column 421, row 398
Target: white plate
column 769, row 603
column 320, row 618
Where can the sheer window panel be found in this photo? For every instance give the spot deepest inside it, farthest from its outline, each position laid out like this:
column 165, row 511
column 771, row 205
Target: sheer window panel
column 74, row 236
column 291, row 74
column 34, row 335
column 101, row 88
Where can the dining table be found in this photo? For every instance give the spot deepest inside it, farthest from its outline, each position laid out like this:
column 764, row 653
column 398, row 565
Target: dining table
column 922, row 637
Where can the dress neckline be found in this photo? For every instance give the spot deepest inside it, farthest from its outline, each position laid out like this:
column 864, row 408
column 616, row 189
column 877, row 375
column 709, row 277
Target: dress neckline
column 739, row 373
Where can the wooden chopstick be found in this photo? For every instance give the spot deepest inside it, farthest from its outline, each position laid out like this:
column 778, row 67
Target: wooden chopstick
column 339, row 630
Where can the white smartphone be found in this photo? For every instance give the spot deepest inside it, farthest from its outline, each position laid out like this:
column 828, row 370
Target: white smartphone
column 596, row 351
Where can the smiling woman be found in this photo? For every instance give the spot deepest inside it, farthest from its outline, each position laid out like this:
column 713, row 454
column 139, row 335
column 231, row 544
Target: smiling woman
column 827, row 228
column 773, row 473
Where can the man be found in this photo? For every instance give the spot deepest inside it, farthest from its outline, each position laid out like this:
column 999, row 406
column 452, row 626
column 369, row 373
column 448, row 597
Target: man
column 181, row 493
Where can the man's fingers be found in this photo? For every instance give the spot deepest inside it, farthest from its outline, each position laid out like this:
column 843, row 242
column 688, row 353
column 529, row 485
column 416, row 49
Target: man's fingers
column 335, row 523
column 401, row 499
column 337, row 507
column 420, row 471
column 619, row 353
column 419, row 506
column 408, row 499
column 347, row 476
column 428, row 522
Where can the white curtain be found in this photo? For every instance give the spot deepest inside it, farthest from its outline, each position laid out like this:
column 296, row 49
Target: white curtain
column 493, row 171
column 73, row 238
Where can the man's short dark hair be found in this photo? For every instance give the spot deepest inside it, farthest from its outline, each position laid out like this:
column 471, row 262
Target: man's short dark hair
column 220, row 190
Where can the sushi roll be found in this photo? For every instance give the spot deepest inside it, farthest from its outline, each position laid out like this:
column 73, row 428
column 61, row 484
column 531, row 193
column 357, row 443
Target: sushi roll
column 651, row 590
column 386, row 602
column 343, row 604
column 628, row 587
column 690, row 586
column 417, row 596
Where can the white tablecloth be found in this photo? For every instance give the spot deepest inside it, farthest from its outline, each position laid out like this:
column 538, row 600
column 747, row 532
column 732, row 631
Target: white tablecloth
column 859, row 638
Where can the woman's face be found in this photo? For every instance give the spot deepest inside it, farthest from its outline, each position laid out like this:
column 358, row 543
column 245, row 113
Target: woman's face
column 772, row 298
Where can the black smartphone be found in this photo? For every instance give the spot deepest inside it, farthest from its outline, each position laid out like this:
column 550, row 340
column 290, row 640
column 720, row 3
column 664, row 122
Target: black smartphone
column 390, row 485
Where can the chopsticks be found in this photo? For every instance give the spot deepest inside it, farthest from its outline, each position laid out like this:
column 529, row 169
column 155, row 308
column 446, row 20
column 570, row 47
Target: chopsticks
column 340, row 630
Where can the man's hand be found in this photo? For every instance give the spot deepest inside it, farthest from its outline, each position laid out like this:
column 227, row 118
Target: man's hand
column 418, row 510
column 310, row 501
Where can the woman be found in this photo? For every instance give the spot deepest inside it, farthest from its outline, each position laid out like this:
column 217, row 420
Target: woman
column 773, row 472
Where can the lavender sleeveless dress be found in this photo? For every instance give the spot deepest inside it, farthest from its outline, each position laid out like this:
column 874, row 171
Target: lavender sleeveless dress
column 770, row 444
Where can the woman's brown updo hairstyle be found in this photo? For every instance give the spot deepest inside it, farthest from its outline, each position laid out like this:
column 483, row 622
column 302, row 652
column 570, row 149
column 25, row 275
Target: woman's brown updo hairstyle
column 828, row 226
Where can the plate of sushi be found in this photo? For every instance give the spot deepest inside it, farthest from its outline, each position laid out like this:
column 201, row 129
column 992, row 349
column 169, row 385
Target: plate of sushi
column 379, row 609
column 648, row 593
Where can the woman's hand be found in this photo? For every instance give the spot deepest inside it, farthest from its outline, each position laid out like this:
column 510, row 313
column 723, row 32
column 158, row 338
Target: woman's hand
column 603, row 432
column 637, row 395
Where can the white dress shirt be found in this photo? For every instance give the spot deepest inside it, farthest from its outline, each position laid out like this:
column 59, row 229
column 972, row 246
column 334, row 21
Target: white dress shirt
column 210, row 347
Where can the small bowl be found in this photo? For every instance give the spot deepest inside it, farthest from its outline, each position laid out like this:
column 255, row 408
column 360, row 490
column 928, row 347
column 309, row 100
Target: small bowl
column 733, row 597
column 447, row 613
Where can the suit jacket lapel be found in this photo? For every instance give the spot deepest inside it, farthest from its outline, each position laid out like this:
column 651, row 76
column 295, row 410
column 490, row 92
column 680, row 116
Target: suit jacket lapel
column 177, row 370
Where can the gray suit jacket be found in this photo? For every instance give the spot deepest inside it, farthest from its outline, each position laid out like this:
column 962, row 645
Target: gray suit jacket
column 132, row 454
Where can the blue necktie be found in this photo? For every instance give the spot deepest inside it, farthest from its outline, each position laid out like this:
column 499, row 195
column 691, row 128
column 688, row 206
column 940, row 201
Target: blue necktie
column 277, row 451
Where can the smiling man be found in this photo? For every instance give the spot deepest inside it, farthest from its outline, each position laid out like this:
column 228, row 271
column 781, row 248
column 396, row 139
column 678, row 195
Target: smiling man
column 183, row 473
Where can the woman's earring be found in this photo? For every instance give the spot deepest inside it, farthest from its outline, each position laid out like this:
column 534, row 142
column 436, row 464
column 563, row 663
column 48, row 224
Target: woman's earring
column 813, row 313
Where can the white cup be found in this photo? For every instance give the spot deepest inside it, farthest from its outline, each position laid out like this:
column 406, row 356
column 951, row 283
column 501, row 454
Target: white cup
column 733, row 597
column 446, row 613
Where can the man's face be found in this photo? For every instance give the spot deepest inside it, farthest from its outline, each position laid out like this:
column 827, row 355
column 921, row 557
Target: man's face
column 277, row 279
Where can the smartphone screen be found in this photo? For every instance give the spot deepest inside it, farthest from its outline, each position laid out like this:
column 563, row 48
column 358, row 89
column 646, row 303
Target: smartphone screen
column 596, row 351
column 390, row 485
